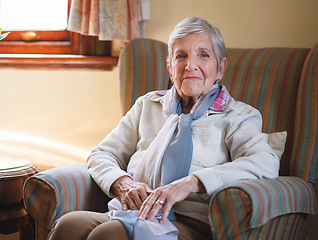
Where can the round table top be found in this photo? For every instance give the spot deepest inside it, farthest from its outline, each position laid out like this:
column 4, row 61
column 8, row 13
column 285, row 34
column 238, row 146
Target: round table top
column 16, row 167
column 12, row 163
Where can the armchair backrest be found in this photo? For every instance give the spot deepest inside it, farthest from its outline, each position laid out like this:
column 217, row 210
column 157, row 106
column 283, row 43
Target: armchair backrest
column 142, row 68
column 282, row 83
column 304, row 159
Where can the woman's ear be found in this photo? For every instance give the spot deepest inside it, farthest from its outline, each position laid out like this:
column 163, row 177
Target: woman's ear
column 222, row 68
column 169, row 69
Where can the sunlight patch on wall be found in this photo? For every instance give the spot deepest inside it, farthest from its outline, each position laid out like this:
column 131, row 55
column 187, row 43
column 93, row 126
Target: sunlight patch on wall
column 44, row 153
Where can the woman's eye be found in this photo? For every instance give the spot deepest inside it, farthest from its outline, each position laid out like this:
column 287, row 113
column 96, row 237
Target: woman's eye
column 205, row 55
column 180, row 56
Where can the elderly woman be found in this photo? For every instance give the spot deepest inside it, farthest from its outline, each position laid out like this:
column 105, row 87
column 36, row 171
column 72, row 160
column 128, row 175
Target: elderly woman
column 174, row 149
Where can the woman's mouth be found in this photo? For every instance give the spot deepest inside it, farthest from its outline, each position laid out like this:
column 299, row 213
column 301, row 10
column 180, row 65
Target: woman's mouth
column 193, row 78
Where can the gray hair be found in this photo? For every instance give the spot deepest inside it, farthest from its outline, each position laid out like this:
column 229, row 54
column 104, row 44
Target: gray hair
column 198, row 25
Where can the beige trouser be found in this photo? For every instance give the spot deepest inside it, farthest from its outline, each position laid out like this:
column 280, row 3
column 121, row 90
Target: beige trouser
column 96, row 226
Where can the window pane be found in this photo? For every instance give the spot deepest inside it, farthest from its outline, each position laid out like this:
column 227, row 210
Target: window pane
column 35, row 15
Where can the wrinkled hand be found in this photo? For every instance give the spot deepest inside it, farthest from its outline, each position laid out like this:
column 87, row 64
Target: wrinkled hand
column 163, row 198
column 131, row 193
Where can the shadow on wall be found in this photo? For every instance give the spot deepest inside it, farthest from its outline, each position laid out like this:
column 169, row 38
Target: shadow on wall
column 44, row 153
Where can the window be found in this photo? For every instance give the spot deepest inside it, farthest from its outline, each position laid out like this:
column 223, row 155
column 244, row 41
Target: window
column 39, row 27
column 46, row 15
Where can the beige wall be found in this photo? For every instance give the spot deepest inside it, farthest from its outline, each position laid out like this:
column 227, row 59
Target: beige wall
column 78, row 108
column 245, row 23
column 55, row 117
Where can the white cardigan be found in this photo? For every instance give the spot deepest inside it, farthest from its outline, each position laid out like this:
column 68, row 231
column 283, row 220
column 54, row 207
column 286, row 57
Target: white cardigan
column 227, row 146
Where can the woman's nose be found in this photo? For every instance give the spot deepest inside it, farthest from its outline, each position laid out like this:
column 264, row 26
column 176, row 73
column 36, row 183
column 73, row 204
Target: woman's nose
column 192, row 64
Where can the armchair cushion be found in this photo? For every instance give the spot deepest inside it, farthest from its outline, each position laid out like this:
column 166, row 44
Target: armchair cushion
column 277, row 142
column 248, row 204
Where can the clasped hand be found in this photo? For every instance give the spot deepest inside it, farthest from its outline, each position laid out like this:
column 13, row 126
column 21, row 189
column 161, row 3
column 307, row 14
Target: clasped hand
column 139, row 196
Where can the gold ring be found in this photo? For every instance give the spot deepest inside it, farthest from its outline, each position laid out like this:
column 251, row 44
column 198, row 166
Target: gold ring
column 160, row 202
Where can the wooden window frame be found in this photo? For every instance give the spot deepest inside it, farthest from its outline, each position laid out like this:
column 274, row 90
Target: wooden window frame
column 55, row 50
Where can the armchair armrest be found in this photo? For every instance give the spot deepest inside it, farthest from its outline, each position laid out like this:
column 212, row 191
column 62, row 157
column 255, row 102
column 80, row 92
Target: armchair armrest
column 50, row 194
column 248, row 204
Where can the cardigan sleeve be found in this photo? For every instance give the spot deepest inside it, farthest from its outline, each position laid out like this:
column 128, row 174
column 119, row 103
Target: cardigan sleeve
column 108, row 161
column 251, row 156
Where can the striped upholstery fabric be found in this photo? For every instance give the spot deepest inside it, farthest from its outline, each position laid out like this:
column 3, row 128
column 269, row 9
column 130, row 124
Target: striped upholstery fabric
column 304, row 156
column 291, row 227
column 248, row 204
column 142, row 68
column 50, row 194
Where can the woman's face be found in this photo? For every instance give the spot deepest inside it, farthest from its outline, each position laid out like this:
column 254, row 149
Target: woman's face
column 194, row 67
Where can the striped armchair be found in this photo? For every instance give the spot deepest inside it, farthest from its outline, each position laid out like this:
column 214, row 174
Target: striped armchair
column 281, row 82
